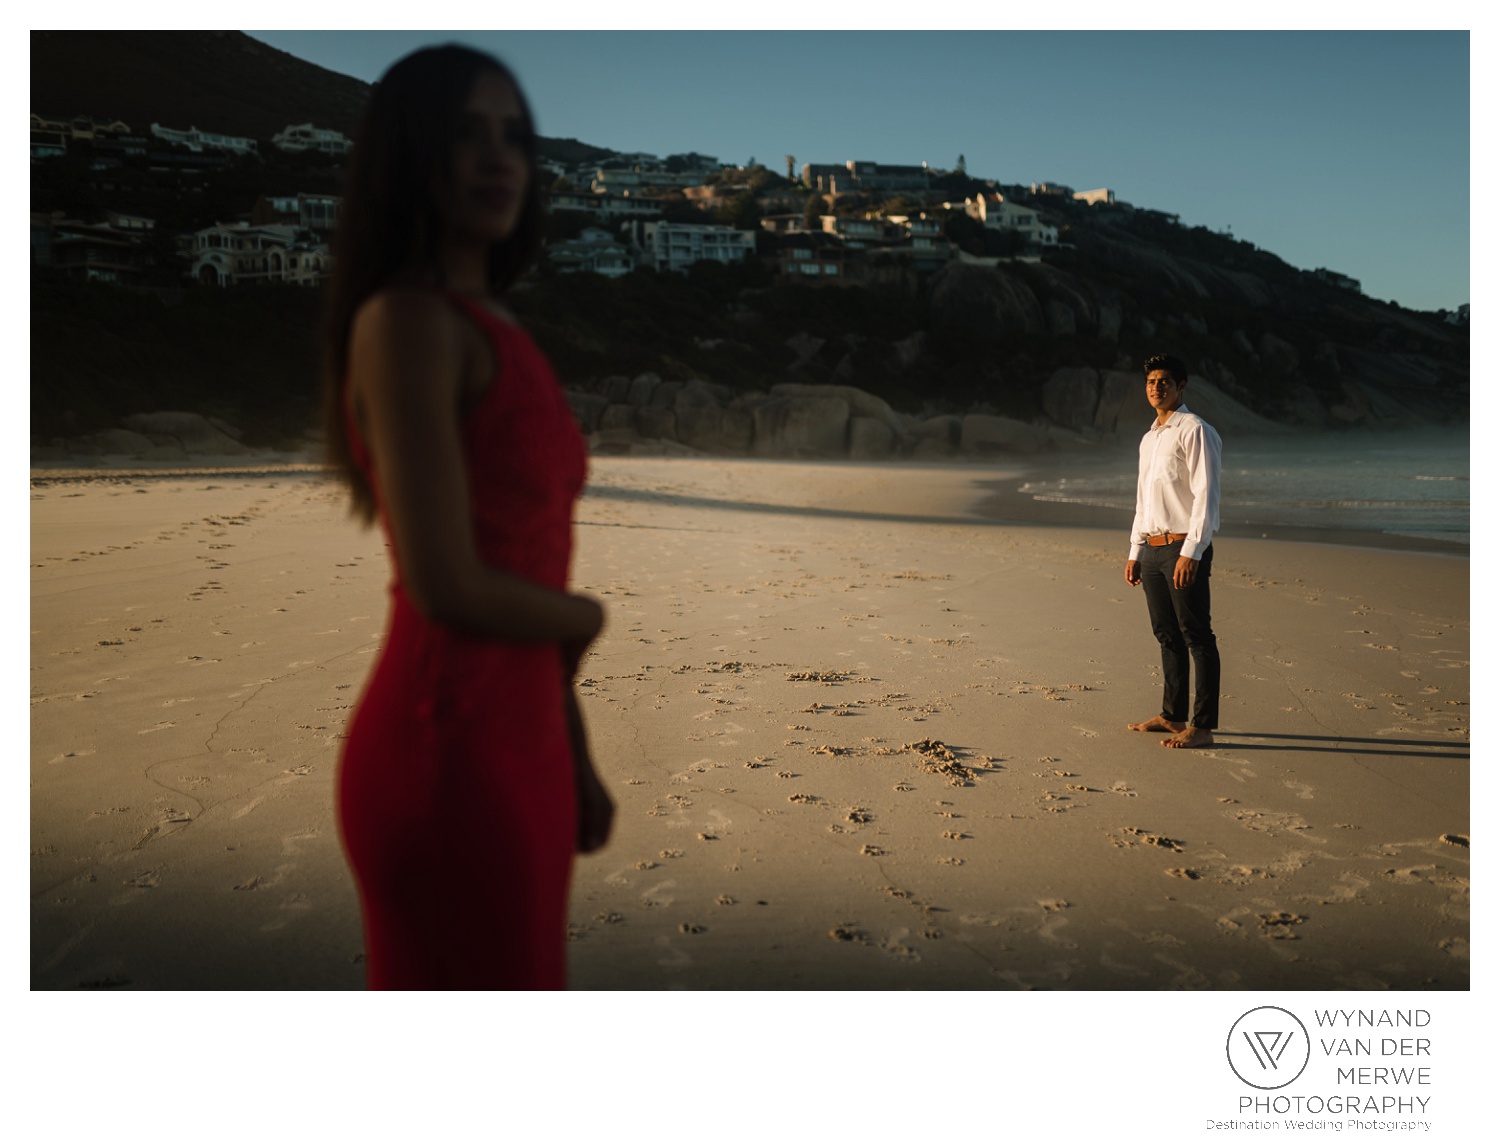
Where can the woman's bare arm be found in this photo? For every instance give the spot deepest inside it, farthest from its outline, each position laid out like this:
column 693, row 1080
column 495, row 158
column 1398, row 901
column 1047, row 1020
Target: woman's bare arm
column 408, row 355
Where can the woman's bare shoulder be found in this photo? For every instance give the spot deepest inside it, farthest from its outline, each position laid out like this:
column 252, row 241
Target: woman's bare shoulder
column 406, row 314
column 400, row 333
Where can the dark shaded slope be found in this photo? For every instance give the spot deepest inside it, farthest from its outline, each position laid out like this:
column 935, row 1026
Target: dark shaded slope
column 218, row 81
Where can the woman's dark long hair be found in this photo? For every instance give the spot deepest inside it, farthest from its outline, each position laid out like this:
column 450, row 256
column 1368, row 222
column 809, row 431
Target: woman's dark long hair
column 388, row 220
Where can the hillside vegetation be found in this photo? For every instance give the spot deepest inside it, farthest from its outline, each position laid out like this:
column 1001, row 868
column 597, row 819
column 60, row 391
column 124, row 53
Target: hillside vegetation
column 968, row 337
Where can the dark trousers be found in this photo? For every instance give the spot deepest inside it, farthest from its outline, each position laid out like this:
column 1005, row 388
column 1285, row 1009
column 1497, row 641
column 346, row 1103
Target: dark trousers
column 1179, row 619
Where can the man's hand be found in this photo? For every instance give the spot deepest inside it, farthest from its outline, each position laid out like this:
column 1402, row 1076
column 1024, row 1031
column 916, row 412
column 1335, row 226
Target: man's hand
column 1185, row 572
column 1132, row 572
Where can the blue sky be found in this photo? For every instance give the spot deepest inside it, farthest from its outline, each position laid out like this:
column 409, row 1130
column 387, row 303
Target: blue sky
column 1344, row 149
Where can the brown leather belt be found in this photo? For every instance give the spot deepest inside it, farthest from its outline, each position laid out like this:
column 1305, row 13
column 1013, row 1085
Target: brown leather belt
column 1163, row 540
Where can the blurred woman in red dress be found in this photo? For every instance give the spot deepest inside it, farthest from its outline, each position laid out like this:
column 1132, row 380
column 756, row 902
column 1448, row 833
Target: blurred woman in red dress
column 465, row 784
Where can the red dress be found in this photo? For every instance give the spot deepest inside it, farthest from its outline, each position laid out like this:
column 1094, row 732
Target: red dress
column 455, row 794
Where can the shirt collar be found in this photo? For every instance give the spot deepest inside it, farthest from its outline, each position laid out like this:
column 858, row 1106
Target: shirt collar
column 1157, row 426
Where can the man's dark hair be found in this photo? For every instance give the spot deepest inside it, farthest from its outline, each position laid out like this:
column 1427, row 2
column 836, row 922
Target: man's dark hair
column 1167, row 364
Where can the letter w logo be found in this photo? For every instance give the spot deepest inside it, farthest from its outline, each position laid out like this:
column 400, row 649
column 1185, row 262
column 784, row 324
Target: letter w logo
column 1268, row 1046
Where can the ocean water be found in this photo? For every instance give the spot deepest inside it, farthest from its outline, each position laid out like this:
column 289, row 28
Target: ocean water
column 1412, row 485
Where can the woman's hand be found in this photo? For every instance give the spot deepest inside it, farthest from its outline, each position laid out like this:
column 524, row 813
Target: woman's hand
column 596, row 811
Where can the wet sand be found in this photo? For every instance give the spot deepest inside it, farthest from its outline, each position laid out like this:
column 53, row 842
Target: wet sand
column 860, row 737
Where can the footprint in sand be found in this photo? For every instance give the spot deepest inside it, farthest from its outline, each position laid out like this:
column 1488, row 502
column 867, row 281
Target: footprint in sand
column 896, row 947
column 659, row 896
column 674, row 957
column 1279, row 924
column 1138, row 835
column 1272, row 822
column 1050, row 927
column 62, row 757
column 1242, row 874
column 1230, row 924
column 1417, row 874
column 847, row 933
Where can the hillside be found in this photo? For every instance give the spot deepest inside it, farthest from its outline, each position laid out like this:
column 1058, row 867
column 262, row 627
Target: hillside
column 988, row 337
column 218, row 81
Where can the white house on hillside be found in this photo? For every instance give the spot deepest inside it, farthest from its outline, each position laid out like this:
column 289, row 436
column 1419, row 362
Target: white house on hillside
column 859, row 175
column 306, row 137
column 79, row 127
column 624, row 181
column 91, row 251
column 922, row 235
column 316, row 212
column 604, row 207
column 239, row 253
column 593, row 251
column 198, row 141
column 854, row 232
column 676, row 245
column 998, row 214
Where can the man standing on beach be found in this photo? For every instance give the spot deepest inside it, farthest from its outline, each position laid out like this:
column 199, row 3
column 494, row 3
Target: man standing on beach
column 1171, row 553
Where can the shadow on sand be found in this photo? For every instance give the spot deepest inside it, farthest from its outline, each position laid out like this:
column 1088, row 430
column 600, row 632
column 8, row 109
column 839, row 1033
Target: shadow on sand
column 1413, row 749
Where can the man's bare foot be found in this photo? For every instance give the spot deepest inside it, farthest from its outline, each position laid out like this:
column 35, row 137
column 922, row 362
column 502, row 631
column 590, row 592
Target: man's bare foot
column 1158, row 724
column 1191, row 737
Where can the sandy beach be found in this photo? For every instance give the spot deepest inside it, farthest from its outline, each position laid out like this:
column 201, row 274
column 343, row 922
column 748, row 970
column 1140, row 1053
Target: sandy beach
column 860, row 736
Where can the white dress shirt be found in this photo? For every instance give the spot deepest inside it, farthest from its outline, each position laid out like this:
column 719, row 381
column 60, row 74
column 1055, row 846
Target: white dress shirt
column 1177, row 488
